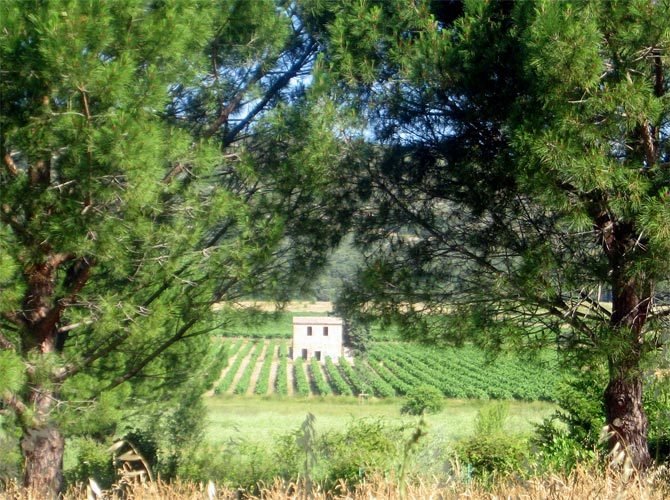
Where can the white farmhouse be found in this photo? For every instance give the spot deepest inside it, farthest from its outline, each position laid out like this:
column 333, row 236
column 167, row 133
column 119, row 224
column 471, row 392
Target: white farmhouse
column 318, row 337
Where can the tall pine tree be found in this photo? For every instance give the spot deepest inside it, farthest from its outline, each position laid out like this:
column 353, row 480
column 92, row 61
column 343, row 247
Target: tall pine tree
column 521, row 166
column 152, row 164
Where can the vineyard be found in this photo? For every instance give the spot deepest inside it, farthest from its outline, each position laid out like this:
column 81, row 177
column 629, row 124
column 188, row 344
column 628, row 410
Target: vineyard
column 389, row 369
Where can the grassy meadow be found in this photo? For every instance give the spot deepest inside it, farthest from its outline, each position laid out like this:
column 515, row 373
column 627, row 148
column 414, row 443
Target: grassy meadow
column 233, row 418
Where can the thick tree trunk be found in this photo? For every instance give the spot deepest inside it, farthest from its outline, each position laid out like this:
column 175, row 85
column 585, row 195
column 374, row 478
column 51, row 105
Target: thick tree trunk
column 625, row 415
column 42, row 443
column 624, row 412
column 43, row 450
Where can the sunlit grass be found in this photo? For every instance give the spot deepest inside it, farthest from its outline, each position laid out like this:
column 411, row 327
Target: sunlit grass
column 260, row 419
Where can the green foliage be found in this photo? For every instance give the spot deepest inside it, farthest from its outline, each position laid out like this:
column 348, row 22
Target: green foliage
column 423, row 399
column 580, row 407
column 518, row 168
column 89, row 459
column 10, row 455
column 131, row 203
column 380, row 387
column 572, row 435
column 228, row 378
column 337, row 382
column 558, row 451
column 657, row 407
column 243, row 382
column 12, row 369
column 463, row 372
column 319, row 382
column 492, row 455
column 281, row 382
column 357, row 383
column 491, row 451
column 364, row 448
column 300, row 378
column 263, row 381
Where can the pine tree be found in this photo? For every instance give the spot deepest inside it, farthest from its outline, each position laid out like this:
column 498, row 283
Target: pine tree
column 521, row 167
column 152, row 163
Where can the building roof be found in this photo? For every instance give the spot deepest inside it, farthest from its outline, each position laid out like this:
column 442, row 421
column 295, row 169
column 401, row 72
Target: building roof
column 317, row 320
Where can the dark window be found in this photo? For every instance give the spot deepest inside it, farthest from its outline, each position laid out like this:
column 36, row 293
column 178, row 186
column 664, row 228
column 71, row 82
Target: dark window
column 325, row 331
column 304, row 354
column 309, row 331
column 317, row 355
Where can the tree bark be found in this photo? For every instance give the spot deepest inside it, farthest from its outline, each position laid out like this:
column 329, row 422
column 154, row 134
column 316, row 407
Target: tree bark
column 624, row 410
column 43, row 450
column 43, row 446
column 625, row 415
column 42, row 443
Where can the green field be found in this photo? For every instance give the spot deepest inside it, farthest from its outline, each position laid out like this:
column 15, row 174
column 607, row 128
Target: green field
column 262, row 394
column 389, row 369
column 233, row 418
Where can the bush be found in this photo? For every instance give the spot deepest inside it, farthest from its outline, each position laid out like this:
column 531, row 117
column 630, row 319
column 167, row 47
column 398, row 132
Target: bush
column 423, row 399
column 90, row 459
column 557, row 450
column 363, row 449
column 491, row 451
column 657, row 408
column 239, row 464
column 492, row 454
column 571, row 435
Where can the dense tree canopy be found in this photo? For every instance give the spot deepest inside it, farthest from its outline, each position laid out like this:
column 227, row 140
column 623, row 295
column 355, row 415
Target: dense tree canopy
column 156, row 158
column 521, row 166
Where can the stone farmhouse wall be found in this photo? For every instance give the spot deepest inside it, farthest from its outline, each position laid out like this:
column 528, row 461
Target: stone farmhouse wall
column 318, row 337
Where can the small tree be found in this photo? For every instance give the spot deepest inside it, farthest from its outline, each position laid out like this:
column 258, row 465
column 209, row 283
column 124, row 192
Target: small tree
column 423, row 399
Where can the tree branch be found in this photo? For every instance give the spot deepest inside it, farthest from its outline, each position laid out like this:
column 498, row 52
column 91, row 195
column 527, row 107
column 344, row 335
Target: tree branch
column 181, row 332
column 10, row 166
column 271, row 92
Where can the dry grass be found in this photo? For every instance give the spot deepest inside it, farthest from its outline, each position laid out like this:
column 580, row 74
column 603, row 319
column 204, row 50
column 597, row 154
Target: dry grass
column 581, row 484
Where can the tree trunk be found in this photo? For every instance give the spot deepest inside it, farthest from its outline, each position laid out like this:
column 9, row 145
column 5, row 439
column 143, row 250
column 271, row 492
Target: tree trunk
column 42, row 443
column 624, row 412
column 43, row 450
column 625, row 415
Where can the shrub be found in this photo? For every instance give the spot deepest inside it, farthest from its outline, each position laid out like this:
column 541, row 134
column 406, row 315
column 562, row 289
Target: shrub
column 365, row 448
column 492, row 454
column 424, row 398
column 90, row 459
column 557, row 450
column 491, row 451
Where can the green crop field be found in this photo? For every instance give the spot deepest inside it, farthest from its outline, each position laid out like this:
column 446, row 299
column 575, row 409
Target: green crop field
column 389, row 369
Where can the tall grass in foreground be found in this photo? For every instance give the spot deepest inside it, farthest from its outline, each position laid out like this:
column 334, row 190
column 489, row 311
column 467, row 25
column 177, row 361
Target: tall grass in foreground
column 582, row 483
